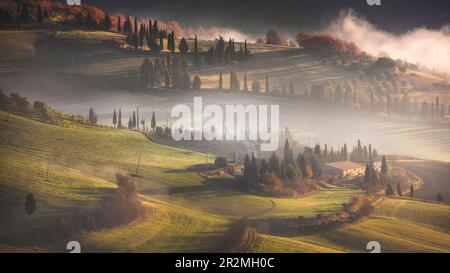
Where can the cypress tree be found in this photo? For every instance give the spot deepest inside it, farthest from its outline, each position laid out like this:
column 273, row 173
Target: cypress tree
column 39, row 15
column 301, row 163
column 153, row 122
column 161, row 43
column 107, row 24
column 399, row 189
column 220, row 81
column 133, row 121
column 389, row 190
column 119, row 121
column 411, row 191
column 183, row 47
column 24, row 15
column 30, row 206
column 119, row 25
column 245, row 83
column 231, row 80
column 316, row 166
column 195, row 45
column 254, row 170
column 263, row 169
column 274, row 165
column 368, row 174
column 114, row 118
column 384, row 167
column 247, row 170
column 127, row 28
column 155, row 30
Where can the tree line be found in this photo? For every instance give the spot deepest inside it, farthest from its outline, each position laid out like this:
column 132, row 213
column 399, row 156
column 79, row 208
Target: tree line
column 134, row 121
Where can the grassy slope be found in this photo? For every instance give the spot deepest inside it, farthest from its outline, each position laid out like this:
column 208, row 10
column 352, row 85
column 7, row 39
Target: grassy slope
column 167, row 228
column 400, row 225
column 234, row 204
column 83, row 162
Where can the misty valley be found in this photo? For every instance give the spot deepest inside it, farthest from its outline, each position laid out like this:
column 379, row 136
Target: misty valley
column 128, row 132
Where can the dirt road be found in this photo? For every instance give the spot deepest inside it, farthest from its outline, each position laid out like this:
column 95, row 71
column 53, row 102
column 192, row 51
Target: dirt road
column 435, row 175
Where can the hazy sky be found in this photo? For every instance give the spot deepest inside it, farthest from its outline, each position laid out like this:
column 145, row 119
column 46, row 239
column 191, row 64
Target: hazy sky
column 289, row 15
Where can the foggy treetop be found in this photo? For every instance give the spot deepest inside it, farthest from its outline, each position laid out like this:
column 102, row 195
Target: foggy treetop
column 251, row 15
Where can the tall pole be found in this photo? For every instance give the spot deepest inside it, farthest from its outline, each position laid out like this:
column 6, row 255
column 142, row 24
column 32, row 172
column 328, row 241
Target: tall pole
column 139, row 161
column 48, row 167
column 206, row 155
column 9, row 110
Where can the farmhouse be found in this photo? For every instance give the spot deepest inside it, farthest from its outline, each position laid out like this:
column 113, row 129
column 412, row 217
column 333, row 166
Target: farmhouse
column 345, row 168
column 235, row 169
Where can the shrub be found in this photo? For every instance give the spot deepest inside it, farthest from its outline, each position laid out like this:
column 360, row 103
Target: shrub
column 274, row 38
column 221, row 162
column 272, row 182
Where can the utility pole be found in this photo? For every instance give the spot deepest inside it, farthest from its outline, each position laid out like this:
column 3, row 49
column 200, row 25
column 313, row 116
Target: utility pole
column 48, row 167
column 9, row 110
column 206, row 155
column 139, row 161
column 137, row 117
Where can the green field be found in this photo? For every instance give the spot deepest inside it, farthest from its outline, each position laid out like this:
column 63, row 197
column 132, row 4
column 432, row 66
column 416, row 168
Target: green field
column 84, row 159
column 184, row 211
column 399, row 225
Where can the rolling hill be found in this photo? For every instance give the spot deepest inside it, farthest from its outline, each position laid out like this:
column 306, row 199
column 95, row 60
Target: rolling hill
column 184, row 212
column 399, row 225
column 84, row 159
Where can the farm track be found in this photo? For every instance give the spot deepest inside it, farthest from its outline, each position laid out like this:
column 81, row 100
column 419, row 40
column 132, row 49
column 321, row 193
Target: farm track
column 250, row 236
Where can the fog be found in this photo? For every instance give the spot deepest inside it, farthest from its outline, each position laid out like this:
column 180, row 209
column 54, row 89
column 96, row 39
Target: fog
column 308, row 123
column 427, row 47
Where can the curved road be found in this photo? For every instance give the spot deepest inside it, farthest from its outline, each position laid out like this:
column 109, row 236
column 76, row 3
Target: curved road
column 435, row 175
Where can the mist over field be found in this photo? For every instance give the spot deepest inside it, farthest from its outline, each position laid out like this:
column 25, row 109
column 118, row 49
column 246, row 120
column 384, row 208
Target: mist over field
column 424, row 46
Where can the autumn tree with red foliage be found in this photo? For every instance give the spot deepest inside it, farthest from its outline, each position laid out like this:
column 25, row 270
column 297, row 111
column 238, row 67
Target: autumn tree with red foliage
column 274, row 38
column 328, row 46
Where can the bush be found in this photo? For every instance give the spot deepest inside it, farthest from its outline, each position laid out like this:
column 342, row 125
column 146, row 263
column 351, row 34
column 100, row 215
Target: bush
column 20, row 102
column 197, row 83
column 274, row 38
column 121, row 206
column 272, row 183
column 40, row 107
column 328, row 46
column 221, row 162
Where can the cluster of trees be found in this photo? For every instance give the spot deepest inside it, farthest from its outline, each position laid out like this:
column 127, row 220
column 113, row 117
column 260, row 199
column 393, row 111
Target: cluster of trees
column 364, row 153
column 23, row 15
column 274, row 38
column 15, row 103
column 170, row 72
column 380, row 96
column 278, row 173
column 119, row 206
column 224, row 53
column 92, row 116
column 330, row 155
column 92, row 21
column 336, row 93
column 330, row 48
column 151, row 34
column 134, row 122
column 255, row 88
column 435, row 110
